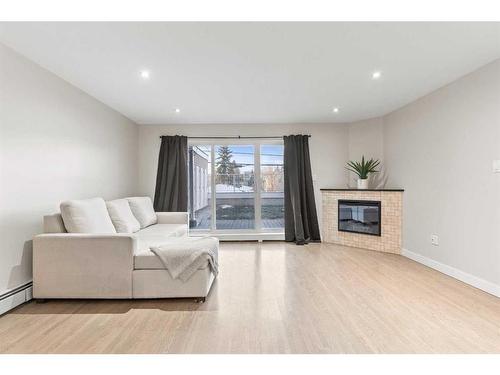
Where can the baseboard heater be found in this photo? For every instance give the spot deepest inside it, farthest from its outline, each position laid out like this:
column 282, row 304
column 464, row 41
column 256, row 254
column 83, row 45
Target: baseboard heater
column 16, row 297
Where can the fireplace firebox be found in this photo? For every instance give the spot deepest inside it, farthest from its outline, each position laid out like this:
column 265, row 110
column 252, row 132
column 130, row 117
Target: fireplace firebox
column 359, row 216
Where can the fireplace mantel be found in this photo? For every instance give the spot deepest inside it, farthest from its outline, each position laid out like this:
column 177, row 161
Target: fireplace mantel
column 391, row 205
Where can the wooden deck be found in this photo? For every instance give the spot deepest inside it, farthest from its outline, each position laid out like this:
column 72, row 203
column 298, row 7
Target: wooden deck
column 204, row 222
column 241, row 224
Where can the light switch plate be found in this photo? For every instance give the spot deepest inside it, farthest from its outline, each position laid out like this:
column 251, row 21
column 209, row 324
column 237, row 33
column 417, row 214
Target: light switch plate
column 435, row 240
column 496, row 166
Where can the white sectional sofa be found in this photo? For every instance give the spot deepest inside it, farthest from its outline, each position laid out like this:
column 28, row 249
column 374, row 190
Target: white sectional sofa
column 97, row 249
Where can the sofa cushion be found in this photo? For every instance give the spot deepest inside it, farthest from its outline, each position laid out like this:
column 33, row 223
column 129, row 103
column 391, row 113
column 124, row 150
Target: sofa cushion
column 122, row 217
column 158, row 234
column 168, row 230
column 143, row 210
column 86, row 216
column 155, row 235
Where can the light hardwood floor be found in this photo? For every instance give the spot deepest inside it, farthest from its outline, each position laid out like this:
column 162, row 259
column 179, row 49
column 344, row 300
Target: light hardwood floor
column 277, row 298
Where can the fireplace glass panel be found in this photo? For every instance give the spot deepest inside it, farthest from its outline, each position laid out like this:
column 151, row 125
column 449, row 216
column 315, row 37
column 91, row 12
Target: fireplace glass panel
column 359, row 217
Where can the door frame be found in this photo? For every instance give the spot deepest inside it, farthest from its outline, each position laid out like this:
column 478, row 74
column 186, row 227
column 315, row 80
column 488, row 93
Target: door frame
column 258, row 233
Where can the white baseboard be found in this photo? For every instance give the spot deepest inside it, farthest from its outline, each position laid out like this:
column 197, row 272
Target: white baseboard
column 465, row 277
column 15, row 297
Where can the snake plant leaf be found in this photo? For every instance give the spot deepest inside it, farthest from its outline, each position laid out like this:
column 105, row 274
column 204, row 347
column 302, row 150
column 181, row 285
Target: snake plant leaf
column 364, row 168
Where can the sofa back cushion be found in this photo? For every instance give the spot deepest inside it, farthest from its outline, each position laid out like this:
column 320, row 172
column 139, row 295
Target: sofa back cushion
column 122, row 217
column 143, row 210
column 86, row 216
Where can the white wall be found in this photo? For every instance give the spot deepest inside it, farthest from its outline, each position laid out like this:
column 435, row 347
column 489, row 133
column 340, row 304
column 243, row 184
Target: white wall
column 56, row 143
column 440, row 149
column 328, row 147
column 366, row 138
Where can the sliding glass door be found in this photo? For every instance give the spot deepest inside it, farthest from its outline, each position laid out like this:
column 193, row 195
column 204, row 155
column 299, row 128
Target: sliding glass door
column 236, row 187
column 199, row 186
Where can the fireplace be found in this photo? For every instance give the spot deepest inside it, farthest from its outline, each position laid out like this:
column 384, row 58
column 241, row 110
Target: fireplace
column 383, row 236
column 359, row 216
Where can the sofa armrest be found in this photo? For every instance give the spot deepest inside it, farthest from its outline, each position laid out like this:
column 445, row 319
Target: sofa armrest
column 173, row 217
column 73, row 265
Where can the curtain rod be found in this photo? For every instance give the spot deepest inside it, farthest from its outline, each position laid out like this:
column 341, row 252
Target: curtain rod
column 236, row 137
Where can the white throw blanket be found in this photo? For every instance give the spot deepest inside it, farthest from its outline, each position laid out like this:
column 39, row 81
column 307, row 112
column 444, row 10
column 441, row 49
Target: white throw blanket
column 182, row 257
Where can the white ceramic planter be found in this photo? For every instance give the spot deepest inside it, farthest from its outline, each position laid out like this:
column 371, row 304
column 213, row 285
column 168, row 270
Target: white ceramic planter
column 362, row 183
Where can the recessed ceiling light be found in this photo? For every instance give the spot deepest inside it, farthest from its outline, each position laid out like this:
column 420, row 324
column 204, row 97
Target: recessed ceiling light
column 335, row 110
column 145, row 74
column 376, row 75
column 177, row 110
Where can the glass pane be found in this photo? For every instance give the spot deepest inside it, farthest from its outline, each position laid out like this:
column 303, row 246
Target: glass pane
column 199, row 187
column 234, row 179
column 271, row 175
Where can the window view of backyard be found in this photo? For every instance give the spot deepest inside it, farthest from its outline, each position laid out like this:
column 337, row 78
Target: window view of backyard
column 235, row 193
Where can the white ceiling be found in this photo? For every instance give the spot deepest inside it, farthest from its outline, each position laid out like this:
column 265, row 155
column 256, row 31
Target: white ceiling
column 256, row 72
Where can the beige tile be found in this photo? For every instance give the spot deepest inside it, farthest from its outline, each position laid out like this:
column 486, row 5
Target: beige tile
column 391, row 204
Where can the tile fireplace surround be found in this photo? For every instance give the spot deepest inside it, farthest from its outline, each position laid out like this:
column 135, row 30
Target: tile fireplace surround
column 391, row 219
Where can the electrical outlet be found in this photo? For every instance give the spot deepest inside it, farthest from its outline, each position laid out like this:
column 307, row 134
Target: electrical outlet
column 435, row 239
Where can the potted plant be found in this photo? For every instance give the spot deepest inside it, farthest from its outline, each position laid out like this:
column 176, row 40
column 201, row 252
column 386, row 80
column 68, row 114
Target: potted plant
column 363, row 169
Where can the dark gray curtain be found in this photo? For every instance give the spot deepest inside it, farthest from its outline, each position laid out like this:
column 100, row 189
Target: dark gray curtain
column 171, row 193
column 301, row 220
